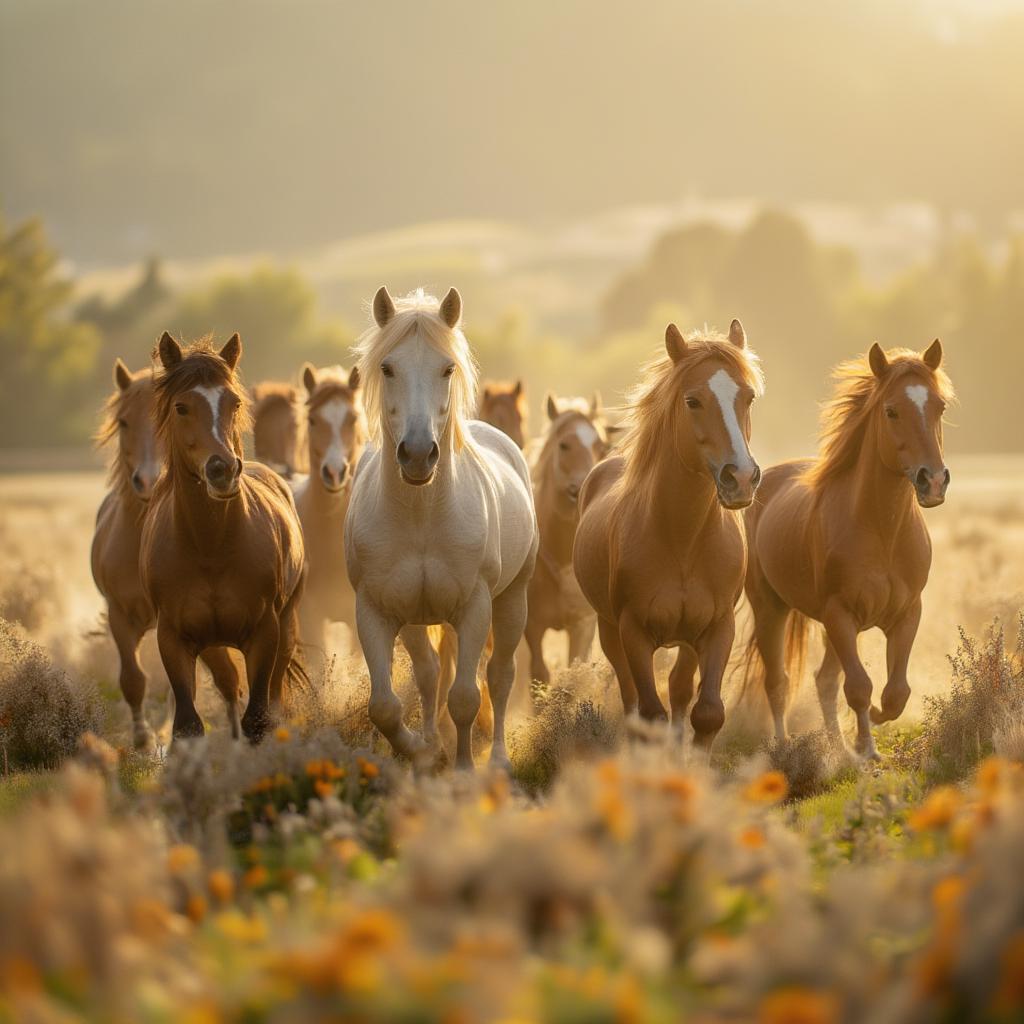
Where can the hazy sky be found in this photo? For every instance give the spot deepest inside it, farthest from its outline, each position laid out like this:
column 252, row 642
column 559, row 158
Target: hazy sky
column 197, row 127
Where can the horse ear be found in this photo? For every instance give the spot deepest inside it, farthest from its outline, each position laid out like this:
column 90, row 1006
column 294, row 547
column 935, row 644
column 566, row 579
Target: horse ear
column 122, row 378
column 737, row 335
column 451, row 308
column 309, row 377
column 595, row 405
column 675, row 343
column 353, row 378
column 552, row 407
column 232, row 351
column 383, row 306
column 877, row 361
column 169, row 351
column 518, row 389
column 933, row 355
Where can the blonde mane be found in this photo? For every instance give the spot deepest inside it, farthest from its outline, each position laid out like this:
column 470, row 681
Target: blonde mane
column 572, row 411
column 653, row 406
column 845, row 416
column 139, row 391
column 419, row 312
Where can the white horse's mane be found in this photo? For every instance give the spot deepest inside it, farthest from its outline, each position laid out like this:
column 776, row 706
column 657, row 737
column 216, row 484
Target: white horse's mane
column 419, row 312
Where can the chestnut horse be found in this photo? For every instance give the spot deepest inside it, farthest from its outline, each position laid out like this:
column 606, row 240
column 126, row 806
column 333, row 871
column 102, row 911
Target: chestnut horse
column 575, row 441
column 336, row 433
column 840, row 539
column 659, row 553
column 222, row 556
column 503, row 405
column 115, row 544
column 277, row 427
column 441, row 527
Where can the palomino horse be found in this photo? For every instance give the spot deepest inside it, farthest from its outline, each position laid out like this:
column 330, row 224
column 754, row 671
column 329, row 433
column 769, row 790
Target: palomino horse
column 277, row 427
column 441, row 527
column 222, row 556
column 336, row 433
column 841, row 540
column 503, row 405
column 575, row 441
column 115, row 545
column 658, row 552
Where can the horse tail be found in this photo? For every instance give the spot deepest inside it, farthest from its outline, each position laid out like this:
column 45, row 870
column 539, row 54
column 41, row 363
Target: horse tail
column 296, row 675
column 794, row 653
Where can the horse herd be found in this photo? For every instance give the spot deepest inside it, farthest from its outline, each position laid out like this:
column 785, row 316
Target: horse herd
column 390, row 498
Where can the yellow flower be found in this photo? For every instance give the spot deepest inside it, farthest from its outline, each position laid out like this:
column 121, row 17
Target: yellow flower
column 769, row 788
column 374, row 929
column 182, row 858
column 798, row 1005
column 221, row 885
column 281, row 734
column 233, row 924
column 937, row 811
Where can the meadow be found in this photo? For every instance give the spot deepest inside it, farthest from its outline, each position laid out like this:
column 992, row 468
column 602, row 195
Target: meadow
column 609, row 878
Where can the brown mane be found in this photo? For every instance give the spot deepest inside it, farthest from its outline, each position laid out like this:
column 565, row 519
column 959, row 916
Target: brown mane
column 653, row 406
column 116, row 405
column 201, row 366
column 845, row 416
column 505, row 389
column 577, row 409
column 270, row 393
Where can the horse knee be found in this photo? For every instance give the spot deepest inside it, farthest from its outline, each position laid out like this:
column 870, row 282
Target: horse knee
column 707, row 717
column 386, row 712
column 464, row 704
column 858, row 692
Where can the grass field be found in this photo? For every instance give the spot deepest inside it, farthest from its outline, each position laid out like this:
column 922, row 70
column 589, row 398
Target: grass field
column 314, row 878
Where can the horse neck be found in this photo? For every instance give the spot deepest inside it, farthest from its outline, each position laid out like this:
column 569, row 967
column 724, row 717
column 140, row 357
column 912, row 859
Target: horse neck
column 881, row 496
column 681, row 520
column 557, row 524
column 206, row 520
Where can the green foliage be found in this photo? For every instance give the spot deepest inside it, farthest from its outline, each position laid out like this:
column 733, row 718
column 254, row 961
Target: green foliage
column 47, row 360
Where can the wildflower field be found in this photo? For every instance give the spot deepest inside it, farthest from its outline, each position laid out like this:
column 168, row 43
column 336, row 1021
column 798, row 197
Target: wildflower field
column 609, row 878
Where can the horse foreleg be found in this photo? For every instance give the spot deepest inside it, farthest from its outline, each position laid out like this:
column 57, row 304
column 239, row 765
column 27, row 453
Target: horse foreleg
column 639, row 650
column 826, row 680
column 180, row 665
column 899, row 641
column 132, row 679
column 377, row 634
column 581, row 639
column 611, row 644
column 534, row 635
column 842, row 633
column 713, row 652
column 680, row 683
column 260, row 659
column 425, row 669
column 312, row 637
column 472, row 627
column 508, row 619
column 228, row 682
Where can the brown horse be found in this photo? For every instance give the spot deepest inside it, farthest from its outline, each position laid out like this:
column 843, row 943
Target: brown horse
column 222, row 556
column 503, row 405
column 277, row 427
column 576, row 440
column 841, row 540
column 658, row 553
column 336, row 435
column 115, row 545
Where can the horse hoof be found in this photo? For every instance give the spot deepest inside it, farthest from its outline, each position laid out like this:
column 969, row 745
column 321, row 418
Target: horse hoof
column 144, row 739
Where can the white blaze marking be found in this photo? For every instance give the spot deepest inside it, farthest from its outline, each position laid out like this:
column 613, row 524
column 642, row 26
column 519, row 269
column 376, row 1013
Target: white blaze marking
column 725, row 389
column 918, row 394
column 212, row 396
column 586, row 433
column 335, row 413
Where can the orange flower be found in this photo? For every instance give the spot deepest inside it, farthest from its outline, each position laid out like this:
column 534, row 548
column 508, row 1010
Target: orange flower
column 937, row 811
column 769, row 788
column 752, row 838
column 256, row 877
column 368, row 768
column 798, row 1005
column 221, row 885
column 282, row 735
column 182, row 858
column 323, row 788
column 346, row 849
column 315, row 768
column 195, row 909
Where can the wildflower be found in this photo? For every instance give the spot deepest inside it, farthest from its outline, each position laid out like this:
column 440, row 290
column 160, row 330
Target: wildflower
column 937, row 811
column 798, row 1005
column 333, row 771
column 195, row 908
column 235, row 925
column 182, row 858
column 368, row 768
column 752, row 838
column 346, row 849
column 990, row 775
column 323, row 788
column 373, row 930
column 256, row 877
column 615, row 814
column 314, row 769
column 281, row 734
column 221, row 885
column 768, row 788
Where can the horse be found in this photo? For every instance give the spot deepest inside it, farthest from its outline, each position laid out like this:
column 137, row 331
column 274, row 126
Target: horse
column 441, row 526
column 277, row 427
column 134, row 470
column 222, row 557
column 575, row 441
column 335, row 434
column 503, row 405
column 841, row 540
column 659, row 550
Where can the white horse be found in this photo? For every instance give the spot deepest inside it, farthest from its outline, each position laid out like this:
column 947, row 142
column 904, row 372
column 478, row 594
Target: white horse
column 441, row 526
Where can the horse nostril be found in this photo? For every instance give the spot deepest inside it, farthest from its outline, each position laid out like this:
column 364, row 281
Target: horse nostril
column 238, row 466
column 343, row 472
column 922, row 479
column 727, row 477
column 756, row 477
column 137, row 481
column 403, row 453
column 327, row 475
column 435, row 454
column 945, row 479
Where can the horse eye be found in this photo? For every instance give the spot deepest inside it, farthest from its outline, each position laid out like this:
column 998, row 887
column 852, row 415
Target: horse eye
column 693, row 403
column 891, row 413
column 449, row 370
column 386, row 370
column 181, row 409
column 564, row 445
column 122, row 423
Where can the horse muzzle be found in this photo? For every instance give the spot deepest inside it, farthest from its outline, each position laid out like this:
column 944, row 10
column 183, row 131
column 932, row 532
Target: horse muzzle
column 736, row 486
column 930, row 486
column 143, row 481
column 222, row 476
column 417, row 461
column 335, row 478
